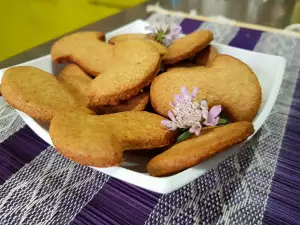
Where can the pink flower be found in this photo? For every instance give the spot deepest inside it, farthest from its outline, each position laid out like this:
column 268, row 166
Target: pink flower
column 185, row 114
column 174, row 31
column 188, row 114
column 165, row 31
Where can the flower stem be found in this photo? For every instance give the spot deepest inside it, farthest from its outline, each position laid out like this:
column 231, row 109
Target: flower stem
column 183, row 136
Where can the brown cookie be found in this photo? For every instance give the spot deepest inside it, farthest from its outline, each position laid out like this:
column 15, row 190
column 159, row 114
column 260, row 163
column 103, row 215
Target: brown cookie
column 126, row 37
column 197, row 149
column 86, row 49
column 145, row 37
column 100, row 140
column 158, row 46
column 228, row 82
column 77, row 83
column 182, row 65
column 137, row 103
column 136, row 65
column 37, row 93
column 187, row 46
column 206, row 56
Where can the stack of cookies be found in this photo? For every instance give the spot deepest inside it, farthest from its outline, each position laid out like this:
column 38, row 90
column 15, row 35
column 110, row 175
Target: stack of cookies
column 112, row 96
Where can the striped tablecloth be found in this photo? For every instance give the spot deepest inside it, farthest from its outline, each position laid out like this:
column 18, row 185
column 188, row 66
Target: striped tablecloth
column 260, row 184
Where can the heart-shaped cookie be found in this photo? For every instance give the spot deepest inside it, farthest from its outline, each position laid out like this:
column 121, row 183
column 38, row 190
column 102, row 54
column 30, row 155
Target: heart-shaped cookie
column 100, row 140
column 228, row 82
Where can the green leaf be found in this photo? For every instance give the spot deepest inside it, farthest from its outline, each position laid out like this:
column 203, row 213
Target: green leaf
column 225, row 117
column 183, row 136
column 222, row 121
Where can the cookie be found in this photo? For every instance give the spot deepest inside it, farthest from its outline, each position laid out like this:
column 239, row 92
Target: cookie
column 137, row 103
column 86, row 49
column 182, row 65
column 228, row 82
column 197, row 149
column 76, row 81
column 100, row 140
column 145, row 37
column 126, row 37
column 158, row 46
column 37, row 93
column 136, row 65
column 206, row 56
column 187, row 46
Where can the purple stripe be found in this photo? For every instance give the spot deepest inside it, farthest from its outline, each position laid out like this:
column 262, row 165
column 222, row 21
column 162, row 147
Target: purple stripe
column 284, row 200
column 246, row 39
column 118, row 203
column 17, row 150
column 188, row 25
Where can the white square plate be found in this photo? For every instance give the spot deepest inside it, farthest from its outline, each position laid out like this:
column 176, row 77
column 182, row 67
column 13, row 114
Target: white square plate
column 269, row 70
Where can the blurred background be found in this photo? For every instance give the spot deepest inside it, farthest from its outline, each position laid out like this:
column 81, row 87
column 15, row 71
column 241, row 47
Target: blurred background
column 28, row 23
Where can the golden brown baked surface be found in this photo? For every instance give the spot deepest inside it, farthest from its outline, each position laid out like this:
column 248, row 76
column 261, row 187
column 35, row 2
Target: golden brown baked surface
column 187, row 46
column 100, row 140
column 136, row 103
column 86, row 49
column 228, row 82
column 126, row 37
column 136, row 65
column 206, row 56
column 197, row 149
column 37, row 93
column 77, row 82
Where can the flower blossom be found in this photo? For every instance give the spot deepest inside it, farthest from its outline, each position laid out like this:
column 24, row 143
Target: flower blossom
column 165, row 31
column 188, row 114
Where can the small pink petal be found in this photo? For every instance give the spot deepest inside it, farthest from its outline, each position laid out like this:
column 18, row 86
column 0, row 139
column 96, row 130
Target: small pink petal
column 171, row 116
column 176, row 29
column 169, row 124
column 198, row 131
column 215, row 121
column 169, row 37
column 166, row 123
column 215, row 111
column 172, row 104
column 194, row 93
column 203, row 104
column 207, row 124
column 177, row 99
column 204, row 114
column 184, row 90
column 186, row 94
column 192, row 130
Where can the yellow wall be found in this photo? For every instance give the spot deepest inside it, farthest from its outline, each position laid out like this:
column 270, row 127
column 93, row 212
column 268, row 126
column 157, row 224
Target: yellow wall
column 27, row 23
